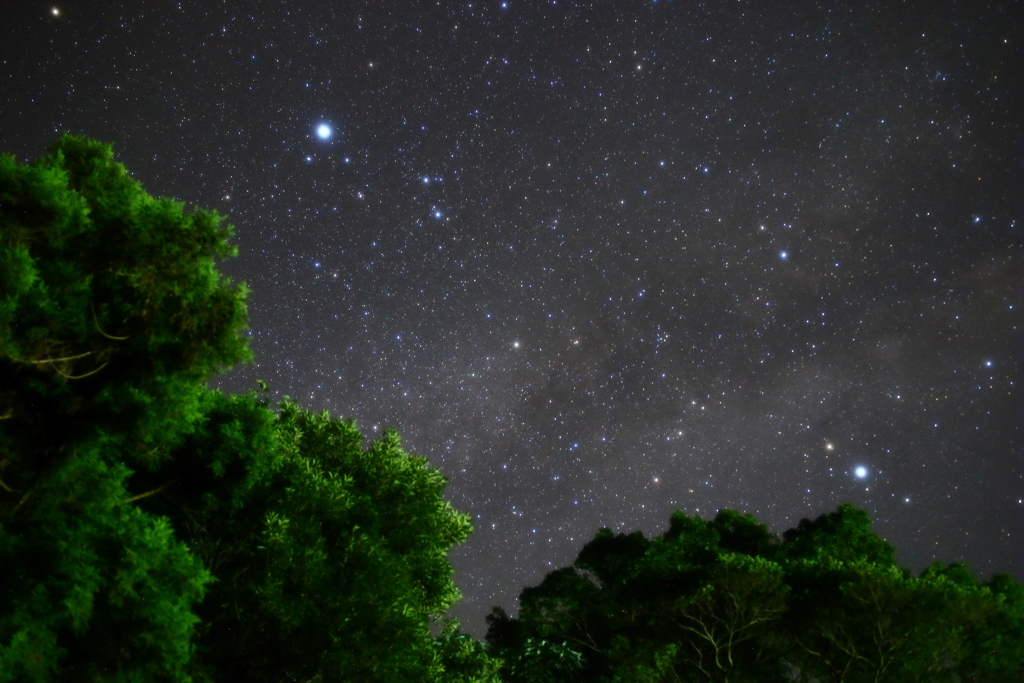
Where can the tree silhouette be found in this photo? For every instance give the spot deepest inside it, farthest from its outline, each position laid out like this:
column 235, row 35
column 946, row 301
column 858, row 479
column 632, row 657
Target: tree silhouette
column 724, row 600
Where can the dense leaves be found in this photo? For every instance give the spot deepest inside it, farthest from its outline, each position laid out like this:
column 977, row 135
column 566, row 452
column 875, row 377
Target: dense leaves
column 725, row 600
column 110, row 302
column 112, row 317
column 154, row 530
column 332, row 565
column 460, row 658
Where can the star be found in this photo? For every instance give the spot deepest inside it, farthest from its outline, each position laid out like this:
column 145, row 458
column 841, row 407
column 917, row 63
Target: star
column 654, row 218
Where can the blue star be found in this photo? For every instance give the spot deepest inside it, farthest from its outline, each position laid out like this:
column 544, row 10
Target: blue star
column 323, row 131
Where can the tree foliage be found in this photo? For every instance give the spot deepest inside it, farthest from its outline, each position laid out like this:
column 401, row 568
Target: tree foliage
column 110, row 303
column 461, row 658
column 112, row 316
column 152, row 529
column 725, row 600
column 332, row 564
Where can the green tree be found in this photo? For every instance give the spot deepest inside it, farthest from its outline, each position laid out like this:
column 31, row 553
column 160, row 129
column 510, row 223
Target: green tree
column 709, row 613
column 723, row 625
column 995, row 650
column 567, row 606
column 112, row 311
column 843, row 535
column 543, row 661
column 154, row 530
column 854, row 616
column 740, row 533
column 330, row 559
column 856, row 621
column 726, row 600
column 686, row 606
column 332, row 565
column 611, row 557
column 112, row 317
column 643, row 662
column 460, row 658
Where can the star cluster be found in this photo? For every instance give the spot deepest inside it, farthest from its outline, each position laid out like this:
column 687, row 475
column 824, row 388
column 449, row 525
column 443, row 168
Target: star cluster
column 600, row 261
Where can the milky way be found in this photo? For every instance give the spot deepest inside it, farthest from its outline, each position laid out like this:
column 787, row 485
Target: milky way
column 601, row 261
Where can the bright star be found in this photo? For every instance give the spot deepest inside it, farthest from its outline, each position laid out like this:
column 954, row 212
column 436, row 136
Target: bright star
column 323, row 131
column 861, row 471
column 783, row 255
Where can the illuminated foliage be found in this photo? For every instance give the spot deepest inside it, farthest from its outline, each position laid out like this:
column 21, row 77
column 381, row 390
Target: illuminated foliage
column 154, row 530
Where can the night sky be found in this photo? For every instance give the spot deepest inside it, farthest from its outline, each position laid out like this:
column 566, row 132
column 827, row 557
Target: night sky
column 601, row 261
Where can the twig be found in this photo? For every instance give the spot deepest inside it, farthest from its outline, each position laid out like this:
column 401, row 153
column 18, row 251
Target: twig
column 58, row 360
column 24, row 498
column 97, row 322
column 149, row 493
column 91, row 372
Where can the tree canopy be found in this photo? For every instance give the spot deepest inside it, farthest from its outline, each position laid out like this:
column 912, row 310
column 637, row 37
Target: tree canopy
column 152, row 529
column 725, row 600
column 112, row 317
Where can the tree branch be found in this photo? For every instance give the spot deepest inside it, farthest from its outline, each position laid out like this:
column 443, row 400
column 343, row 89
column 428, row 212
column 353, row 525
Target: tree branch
column 97, row 323
column 150, row 493
column 24, row 498
column 58, row 360
column 82, row 376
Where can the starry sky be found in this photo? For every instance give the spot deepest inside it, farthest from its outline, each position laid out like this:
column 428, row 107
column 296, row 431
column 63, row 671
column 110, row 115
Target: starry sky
column 599, row 261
